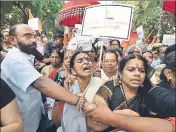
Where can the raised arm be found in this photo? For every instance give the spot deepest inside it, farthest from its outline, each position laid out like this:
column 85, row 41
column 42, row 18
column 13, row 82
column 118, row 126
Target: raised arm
column 130, row 123
column 51, row 89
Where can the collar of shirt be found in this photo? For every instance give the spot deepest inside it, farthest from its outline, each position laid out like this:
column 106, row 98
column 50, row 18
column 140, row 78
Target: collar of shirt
column 30, row 57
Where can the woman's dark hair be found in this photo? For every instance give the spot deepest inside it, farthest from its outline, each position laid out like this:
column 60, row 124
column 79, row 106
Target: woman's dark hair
column 155, row 49
column 117, row 42
column 43, row 32
column 95, row 49
column 58, row 52
column 111, row 51
column 56, row 36
column 73, row 59
column 169, row 62
column 119, row 52
column 170, row 49
column 147, row 52
column 147, row 84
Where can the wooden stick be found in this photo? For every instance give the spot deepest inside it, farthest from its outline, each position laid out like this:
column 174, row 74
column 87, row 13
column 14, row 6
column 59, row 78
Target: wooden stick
column 101, row 51
column 148, row 37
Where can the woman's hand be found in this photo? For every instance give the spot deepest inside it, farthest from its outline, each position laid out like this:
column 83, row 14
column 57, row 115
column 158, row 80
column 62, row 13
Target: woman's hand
column 69, row 81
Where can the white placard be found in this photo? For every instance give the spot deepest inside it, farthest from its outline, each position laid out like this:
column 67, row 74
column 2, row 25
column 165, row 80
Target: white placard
column 85, row 43
column 168, row 39
column 140, row 32
column 108, row 21
column 78, row 28
column 104, row 41
column 33, row 23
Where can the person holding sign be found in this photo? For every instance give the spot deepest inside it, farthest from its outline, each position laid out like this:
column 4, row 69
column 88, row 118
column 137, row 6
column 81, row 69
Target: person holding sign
column 88, row 86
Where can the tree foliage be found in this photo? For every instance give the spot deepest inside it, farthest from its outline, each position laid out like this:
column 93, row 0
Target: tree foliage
column 47, row 12
column 149, row 14
column 14, row 12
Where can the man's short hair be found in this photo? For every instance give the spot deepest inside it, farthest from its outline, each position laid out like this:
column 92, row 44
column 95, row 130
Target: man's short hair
column 58, row 36
column 1, row 37
column 12, row 31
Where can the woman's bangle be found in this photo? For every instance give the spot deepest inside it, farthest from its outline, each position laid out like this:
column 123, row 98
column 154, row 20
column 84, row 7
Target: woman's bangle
column 81, row 102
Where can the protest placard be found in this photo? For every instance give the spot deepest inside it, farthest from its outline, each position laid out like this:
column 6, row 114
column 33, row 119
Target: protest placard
column 168, row 39
column 78, row 28
column 85, row 43
column 107, row 21
column 33, row 23
column 140, row 32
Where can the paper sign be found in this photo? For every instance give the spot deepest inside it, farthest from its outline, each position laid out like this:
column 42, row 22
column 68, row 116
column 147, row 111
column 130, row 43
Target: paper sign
column 78, row 28
column 33, row 23
column 104, row 41
column 168, row 39
column 93, row 87
column 85, row 43
column 108, row 21
column 140, row 33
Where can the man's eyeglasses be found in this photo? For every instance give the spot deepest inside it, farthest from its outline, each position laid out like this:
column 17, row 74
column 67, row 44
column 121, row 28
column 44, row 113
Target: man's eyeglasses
column 29, row 36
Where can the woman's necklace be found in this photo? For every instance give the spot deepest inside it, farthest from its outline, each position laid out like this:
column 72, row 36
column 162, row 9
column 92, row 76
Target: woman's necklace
column 123, row 92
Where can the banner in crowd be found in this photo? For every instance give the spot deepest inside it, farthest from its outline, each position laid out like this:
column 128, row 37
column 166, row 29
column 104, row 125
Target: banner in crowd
column 33, row 23
column 168, row 39
column 140, row 32
column 80, row 42
column 107, row 21
column 78, row 28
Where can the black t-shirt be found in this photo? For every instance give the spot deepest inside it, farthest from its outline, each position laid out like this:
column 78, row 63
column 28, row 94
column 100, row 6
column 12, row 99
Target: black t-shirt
column 162, row 101
column 6, row 94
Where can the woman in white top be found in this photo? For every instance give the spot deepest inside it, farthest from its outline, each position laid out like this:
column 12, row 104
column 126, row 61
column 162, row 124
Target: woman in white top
column 73, row 120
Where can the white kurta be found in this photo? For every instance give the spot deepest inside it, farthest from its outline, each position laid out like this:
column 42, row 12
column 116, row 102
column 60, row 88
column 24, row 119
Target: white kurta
column 73, row 120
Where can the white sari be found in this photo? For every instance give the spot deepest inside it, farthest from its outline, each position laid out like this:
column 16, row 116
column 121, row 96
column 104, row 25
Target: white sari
column 73, row 120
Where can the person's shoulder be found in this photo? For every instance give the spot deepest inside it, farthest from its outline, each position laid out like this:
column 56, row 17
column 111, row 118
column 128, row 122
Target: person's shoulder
column 47, row 67
column 110, row 85
column 14, row 56
column 161, row 92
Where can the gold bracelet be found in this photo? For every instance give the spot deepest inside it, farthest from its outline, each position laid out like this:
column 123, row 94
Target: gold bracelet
column 81, row 102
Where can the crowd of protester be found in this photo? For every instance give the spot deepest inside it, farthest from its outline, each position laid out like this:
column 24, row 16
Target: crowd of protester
column 43, row 85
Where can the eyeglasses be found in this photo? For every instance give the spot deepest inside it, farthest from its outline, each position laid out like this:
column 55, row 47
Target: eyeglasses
column 29, row 36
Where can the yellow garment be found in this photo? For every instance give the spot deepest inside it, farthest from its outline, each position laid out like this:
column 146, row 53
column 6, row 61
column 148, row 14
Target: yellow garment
column 46, row 70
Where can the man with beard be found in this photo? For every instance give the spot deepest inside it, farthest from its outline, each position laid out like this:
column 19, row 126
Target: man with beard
column 18, row 71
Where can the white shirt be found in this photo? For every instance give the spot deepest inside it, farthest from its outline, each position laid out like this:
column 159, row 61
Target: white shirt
column 17, row 70
column 73, row 120
column 104, row 76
